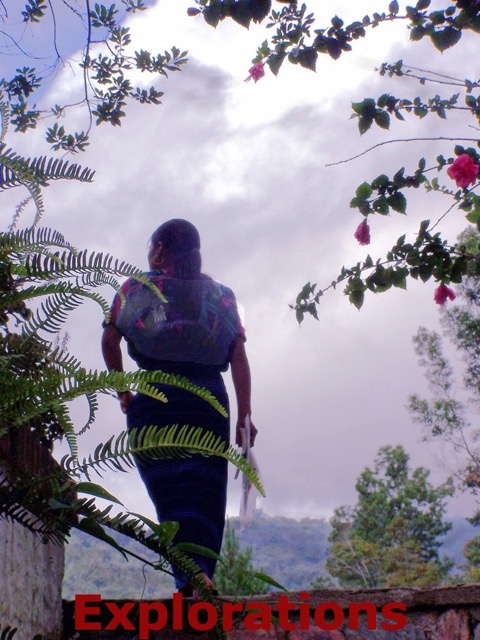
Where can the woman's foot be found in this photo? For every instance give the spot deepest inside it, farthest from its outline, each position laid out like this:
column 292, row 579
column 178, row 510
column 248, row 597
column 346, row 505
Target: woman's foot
column 190, row 592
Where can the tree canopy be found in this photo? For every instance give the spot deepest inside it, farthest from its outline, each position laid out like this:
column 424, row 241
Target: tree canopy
column 391, row 537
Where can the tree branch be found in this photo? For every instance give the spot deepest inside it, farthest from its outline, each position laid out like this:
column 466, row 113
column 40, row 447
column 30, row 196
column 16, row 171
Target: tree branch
column 25, row 53
column 59, row 57
column 381, row 144
column 87, row 62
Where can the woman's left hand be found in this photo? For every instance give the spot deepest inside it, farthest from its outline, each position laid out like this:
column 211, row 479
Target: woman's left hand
column 253, row 432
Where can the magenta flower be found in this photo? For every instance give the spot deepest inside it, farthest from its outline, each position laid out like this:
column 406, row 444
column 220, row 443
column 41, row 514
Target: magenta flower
column 256, row 72
column 443, row 293
column 192, row 11
column 463, row 170
column 362, row 234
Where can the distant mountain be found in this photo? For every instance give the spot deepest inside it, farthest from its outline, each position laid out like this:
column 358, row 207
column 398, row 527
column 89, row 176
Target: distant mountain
column 291, row 551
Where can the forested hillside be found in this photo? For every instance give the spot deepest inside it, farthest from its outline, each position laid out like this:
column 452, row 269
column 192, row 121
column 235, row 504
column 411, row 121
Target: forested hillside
column 291, row 551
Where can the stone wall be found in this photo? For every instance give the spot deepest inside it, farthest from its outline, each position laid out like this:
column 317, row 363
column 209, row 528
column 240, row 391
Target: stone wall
column 444, row 613
column 31, row 571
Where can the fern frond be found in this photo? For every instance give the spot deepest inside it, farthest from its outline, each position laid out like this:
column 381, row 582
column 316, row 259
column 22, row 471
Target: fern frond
column 55, row 169
column 18, row 503
column 66, row 388
column 133, row 527
column 92, row 401
column 36, row 194
column 33, row 240
column 4, row 120
column 54, row 311
column 11, row 361
column 152, row 442
column 54, row 288
column 8, row 633
column 19, row 210
column 64, row 420
column 16, row 170
column 98, row 279
column 81, row 263
column 64, row 360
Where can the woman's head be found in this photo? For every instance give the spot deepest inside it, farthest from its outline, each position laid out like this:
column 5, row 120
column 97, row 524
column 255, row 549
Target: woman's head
column 176, row 245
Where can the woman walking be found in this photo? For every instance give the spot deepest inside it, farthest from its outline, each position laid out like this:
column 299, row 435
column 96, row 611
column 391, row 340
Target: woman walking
column 196, row 333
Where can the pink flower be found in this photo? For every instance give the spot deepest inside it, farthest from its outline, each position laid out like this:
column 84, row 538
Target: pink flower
column 362, row 234
column 256, row 72
column 463, row 170
column 192, row 11
column 443, row 293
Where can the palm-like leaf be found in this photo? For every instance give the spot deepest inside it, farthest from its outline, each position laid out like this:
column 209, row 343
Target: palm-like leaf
column 16, row 170
column 33, row 239
column 156, row 443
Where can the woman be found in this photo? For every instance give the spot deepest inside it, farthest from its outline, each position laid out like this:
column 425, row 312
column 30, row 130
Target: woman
column 197, row 333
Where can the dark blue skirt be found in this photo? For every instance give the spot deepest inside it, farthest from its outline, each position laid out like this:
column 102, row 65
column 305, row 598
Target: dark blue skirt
column 191, row 491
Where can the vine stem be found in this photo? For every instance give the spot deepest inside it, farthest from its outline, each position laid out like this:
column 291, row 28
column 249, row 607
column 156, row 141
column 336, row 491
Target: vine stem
column 87, row 63
column 381, row 144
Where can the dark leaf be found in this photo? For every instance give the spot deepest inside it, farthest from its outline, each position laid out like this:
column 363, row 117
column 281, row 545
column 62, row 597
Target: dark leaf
column 259, row 9
column 382, row 119
column 364, row 191
column 417, row 33
column 364, row 124
column 308, row 58
column 393, row 7
column 241, row 12
column 398, row 202
column 446, row 38
column 211, row 15
column 357, row 298
column 94, row 529
column 275, row 61
column 381, row 206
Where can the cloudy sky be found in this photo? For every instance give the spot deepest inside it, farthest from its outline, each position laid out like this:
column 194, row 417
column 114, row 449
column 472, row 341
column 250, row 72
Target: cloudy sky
column 246, row 163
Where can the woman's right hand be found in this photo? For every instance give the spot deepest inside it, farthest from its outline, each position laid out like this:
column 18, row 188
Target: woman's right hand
column 125, row 398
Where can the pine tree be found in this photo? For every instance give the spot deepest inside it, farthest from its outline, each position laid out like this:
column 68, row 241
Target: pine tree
column 235, row 575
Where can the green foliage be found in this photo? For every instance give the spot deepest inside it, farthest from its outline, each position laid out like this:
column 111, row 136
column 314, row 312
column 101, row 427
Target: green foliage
column 392, row 535
column 426, row 257
column 107, row 65
column 235, row 574
column 472, row 557
column 445, row 415
column 297, row 39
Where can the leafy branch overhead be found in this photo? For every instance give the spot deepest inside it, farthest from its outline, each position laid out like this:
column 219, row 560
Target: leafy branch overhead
column 297, row 37
column 297, row 40
column 109, row 65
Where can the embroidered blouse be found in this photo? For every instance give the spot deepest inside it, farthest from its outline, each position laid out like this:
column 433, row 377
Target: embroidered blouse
column 198, row 323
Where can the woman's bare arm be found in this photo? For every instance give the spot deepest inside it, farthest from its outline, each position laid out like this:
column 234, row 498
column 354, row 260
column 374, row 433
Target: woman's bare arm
column 243, row 389
column 112, row 354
